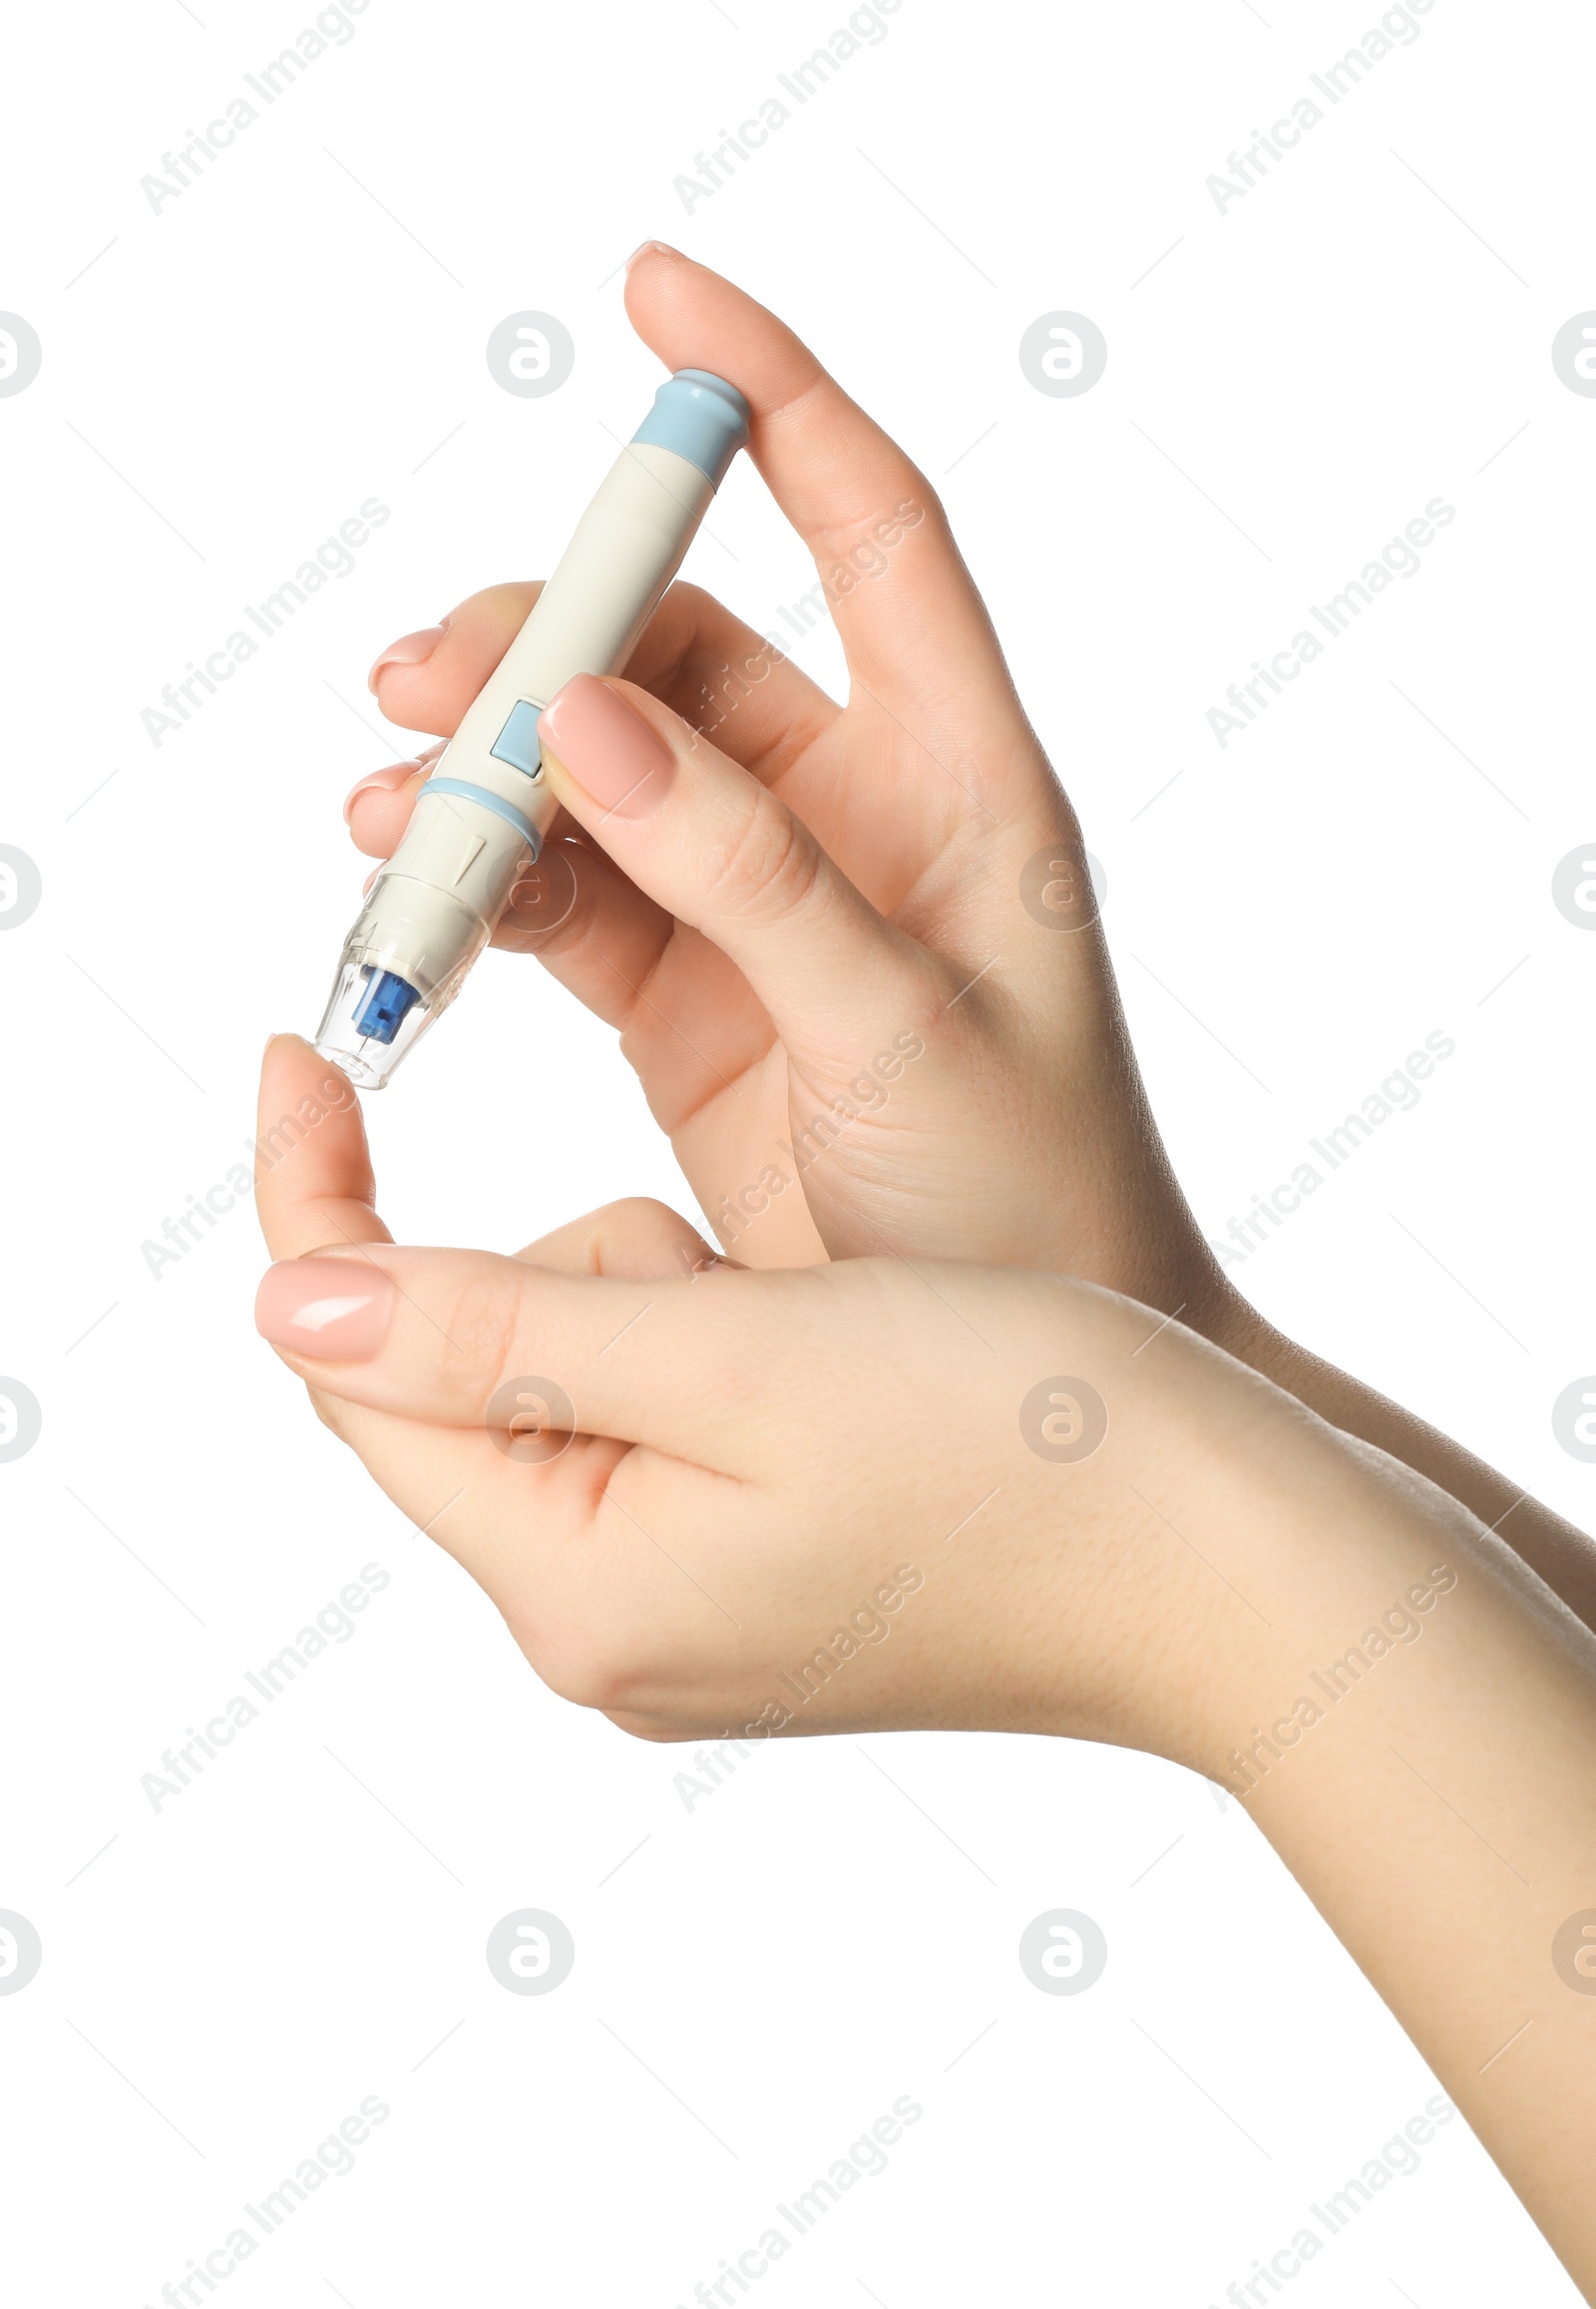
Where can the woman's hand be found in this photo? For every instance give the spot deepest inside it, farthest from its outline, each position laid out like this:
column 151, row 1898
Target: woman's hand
column 853, row 951
column 709, row 1500
column 870, row 1495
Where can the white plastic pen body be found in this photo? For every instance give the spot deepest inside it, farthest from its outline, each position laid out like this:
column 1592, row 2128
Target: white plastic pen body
column 479, row 818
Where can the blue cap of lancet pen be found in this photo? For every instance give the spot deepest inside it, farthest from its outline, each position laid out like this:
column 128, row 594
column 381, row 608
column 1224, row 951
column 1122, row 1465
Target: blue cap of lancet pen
column 702, row 418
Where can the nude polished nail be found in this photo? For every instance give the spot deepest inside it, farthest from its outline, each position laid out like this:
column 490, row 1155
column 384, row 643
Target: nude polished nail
column 335, row 1309
column 609, row 749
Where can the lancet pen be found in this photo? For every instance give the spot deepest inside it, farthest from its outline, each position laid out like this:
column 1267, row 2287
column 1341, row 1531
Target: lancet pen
column 481, row 816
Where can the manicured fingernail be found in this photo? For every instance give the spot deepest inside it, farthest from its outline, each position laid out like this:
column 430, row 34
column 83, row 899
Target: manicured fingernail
column 379, row 782
column 333, row 1309
column 609, row 749
column 409, row 649
column 644, row 247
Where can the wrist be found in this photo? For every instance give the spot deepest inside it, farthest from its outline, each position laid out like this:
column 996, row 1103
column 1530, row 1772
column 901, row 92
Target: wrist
column 1254, row 1546
column 1360, row 1580
column 1217, row 1538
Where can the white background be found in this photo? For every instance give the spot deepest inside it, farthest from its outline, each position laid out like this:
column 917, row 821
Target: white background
column 758, row 1980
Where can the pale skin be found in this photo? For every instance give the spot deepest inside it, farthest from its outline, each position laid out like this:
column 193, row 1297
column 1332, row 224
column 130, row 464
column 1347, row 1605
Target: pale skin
column 822, row 877
column 765, row 1450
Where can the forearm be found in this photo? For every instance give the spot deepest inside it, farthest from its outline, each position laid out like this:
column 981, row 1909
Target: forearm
column 1562, row 1555
column 1426, row 1701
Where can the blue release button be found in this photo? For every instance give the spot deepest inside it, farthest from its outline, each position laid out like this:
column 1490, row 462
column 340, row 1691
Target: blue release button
column 517, row 742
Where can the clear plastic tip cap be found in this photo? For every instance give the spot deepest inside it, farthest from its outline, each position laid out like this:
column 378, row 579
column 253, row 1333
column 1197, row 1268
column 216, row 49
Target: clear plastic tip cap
column 373, row 1018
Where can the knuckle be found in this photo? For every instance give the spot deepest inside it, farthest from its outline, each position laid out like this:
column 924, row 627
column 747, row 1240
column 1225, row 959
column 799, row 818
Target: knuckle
column 581, row 1669
column 618, row 1670
column 615, row 1670
column 923, row 1007
column 642, row 1231
column 693, row 602
column 483, row 1329
column 633, row 1214
column 502, row 606
column 612, row 1666
column 332, row 1414
column 767, row 867
column 900, row 503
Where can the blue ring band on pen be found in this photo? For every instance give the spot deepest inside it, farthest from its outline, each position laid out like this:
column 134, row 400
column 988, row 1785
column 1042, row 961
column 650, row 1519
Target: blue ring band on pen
column 486, row 800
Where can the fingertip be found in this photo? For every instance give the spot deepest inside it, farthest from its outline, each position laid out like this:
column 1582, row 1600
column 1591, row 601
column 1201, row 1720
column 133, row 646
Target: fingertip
column 695, row 317
column 646, row 268
column 281, row 1050
column 378, row 816
column 378, row 782
column 313, row 1179
column 410, row 649
column 650, row 248
column 431, row 692
column 409, row 696
column 295, row 1080
column 676, row 305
